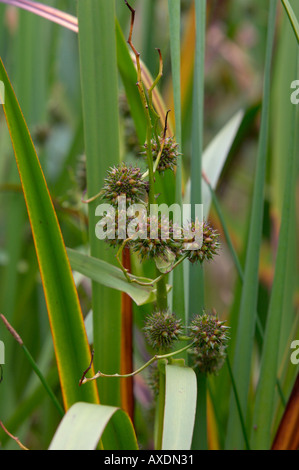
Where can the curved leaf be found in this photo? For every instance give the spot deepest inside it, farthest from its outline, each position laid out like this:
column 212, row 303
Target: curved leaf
column 180, row 408
column 84, row 424
column 110, row 276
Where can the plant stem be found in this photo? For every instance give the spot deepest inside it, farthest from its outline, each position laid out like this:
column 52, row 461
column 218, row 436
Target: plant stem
column 33, row 365
column 200, row 438
column 160, row 409
column 157, row 357
column 161, row 293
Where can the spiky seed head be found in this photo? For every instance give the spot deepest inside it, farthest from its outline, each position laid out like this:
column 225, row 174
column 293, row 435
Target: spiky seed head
column 209, row 335
column 208, row 332
column 161, row 330
column 159, row 239
column 124, row 180
column 210, row 244
column 169, row 156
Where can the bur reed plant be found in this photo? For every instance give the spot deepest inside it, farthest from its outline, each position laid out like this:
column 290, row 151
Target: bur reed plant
column 147, row 320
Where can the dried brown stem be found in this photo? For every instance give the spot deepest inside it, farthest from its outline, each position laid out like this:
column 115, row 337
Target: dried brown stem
column 88, row 368
column 11, row 330
column 13, row 437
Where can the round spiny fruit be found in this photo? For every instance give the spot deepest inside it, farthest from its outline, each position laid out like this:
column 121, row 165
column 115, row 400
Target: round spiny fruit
column 159, row 239
column 169, row 156
column 161, row 330
column 124, row 180
column 210, row 342
column 208, row 333
column 208, row 362
column 209, row 247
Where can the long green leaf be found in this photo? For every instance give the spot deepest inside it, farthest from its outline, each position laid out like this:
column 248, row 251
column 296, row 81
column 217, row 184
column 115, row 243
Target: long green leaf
column 128, row 74
column 180, row 408
column 196, row 272
column 98, row 66
column 174, row 9
column 196, row 282
column 84, row 425
column 110, row 276
column 263, row 412
column 69, row 337
column 292, row 17
column 247, row 317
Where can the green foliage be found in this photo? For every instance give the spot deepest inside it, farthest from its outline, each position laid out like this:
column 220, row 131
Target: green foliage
column 91, row 117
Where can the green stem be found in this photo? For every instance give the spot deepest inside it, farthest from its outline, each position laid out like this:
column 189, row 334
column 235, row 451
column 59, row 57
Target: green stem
column 33, row 364
column 200, row 437
column 160, row 410
column 43, row 380
column 162, row 303
column 157, row 357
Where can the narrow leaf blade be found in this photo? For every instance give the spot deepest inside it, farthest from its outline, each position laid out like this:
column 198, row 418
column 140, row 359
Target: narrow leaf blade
column 64, row 310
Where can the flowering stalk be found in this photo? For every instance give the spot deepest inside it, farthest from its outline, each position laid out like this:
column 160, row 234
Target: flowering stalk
column 156, row 357
column 149, row 127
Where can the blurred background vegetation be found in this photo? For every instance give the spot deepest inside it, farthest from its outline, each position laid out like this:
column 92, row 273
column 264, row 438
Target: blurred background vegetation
column 42, row 61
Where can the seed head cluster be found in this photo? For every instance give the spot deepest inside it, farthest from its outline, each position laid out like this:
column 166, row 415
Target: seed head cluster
column 159, row 239
column 169, row 155
column 210, row 245
column 124, row 180
column 210, row 341
column 161, row 330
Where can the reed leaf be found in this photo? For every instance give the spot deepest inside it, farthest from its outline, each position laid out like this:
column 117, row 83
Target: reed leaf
column 64, row 310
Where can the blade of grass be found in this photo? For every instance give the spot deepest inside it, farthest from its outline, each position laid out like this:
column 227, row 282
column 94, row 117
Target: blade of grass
column 284, row 72
column 238, row 404
column 292, row 17
column 27, row 405
column 196, row 274
column 263, row 411
column 240, row 273
column 247, row 317
column 174, row 11
column 98, row 65
column 61, row 296
column 33, row 365
column 128, row 74
column 196, row 283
